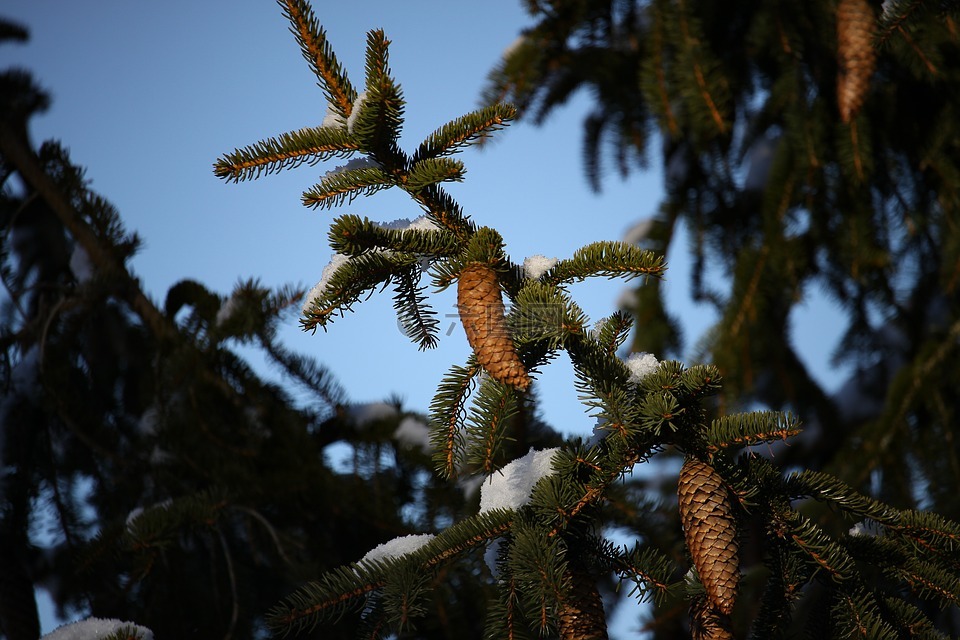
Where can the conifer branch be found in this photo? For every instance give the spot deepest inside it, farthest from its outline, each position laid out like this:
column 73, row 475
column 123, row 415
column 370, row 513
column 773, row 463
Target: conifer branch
column 546, row 315
column 608, row 259
column 445, row 210
column 431, row 171
column 349, row 282
column 746, row 429
column 822, row 486
column 703, row 68
column 494, row 406
column 613, row 331
column 656, row 65
column 417, row 318
column 319, row 55
column 342, row 589
column 648, row 568
column 341, row 187
column 463, row 131
column 447, row 416
column 309, row 145
column 352, row 235
column 379, row 118
column 823, row 552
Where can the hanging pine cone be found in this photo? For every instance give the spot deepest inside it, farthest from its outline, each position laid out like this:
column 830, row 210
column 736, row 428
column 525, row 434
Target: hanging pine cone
column 707, row 624
column 856, row 56
column 710, row 531
column 581, row 614
column 482, row 315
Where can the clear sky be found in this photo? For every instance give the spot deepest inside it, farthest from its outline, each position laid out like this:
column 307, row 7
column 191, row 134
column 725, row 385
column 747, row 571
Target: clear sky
column 146, row 95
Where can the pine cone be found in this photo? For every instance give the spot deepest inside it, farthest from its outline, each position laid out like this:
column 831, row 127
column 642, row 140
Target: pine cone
column 856, row 56
column 581, row 614
column 481, row 312
column 707, row 624
column 711, row 532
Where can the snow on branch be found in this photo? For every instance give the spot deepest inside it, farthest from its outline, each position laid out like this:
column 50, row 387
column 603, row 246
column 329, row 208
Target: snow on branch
column 511, row 486
column 98, row 629
column 397, row 547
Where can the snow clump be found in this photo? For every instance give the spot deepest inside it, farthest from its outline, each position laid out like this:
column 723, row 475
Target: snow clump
column 397, row 547
column 336, row 261
column 641, row 365
column 511, row 486
column 537, row 265
column 95, row 629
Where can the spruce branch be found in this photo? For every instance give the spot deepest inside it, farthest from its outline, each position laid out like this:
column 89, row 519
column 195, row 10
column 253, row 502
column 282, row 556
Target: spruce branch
column 820, row 550
column 538, row 563
column 418, row 320
column 349, row 282
column 379, row 119
column 747, row 429
column 494, row 406
column 447, row 411
column 344, row 589
column 463, row 131
column 911, row 621
column 431, row 171
column 712, row 93
column 546, row 315
column 309, row 145
column 343, row 186
column 613, row 331
column 609, row 259
column 319, row 55
column 825, row 487
column 650, row 570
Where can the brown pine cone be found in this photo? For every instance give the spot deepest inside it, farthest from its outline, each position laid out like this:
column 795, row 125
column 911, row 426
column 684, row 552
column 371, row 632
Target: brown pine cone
column 710, row 530
column 581, row 614
column 856, row 56
column 707, row 624
column 482, row 315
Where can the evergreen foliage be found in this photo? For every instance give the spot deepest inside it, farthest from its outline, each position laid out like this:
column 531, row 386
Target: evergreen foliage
column 147, row 472
column 190, row 494
column 808, row 148
column 548, row 558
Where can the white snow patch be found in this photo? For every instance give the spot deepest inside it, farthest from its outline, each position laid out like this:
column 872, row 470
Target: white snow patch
column 513, row 47
column 511, row 486
column 357, row 107
column 536, row 265
column 332, row 119
column 413, row 432
column 423, row 223
column 355, row 163
column 397, row 547
column 364, row 414
column 95, row 629
column 867, row 528
column 638, row 232
column 139, row 511
column 336, row 261
column 641, row 365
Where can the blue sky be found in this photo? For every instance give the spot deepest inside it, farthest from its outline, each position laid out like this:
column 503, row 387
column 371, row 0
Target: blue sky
column 147, row 95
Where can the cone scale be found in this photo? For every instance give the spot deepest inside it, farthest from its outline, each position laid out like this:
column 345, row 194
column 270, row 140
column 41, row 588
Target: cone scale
column 482, row 314
column 856, row 56
column 710, row 530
